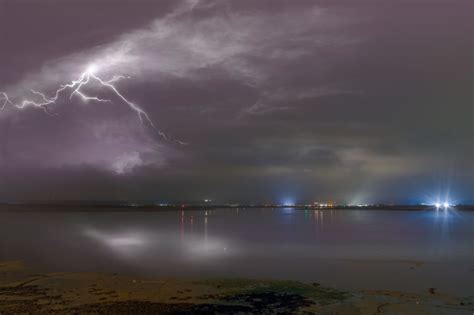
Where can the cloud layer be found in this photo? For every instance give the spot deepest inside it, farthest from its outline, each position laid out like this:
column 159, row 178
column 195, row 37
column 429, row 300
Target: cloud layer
column 274, row 98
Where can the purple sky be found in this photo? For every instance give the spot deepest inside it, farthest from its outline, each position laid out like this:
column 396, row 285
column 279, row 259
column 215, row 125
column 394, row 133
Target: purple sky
column 354, row 101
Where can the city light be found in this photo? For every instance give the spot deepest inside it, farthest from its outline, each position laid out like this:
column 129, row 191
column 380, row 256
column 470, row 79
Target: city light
column 288, row 202
column 442, row 202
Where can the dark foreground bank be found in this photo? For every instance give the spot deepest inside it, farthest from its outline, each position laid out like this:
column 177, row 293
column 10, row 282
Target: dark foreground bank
column 23, row 291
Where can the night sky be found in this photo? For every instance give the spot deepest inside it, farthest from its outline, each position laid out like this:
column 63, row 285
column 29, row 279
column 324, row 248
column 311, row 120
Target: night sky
column 277, row 101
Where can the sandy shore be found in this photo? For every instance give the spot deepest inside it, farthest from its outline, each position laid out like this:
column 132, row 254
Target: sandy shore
column 22, row 291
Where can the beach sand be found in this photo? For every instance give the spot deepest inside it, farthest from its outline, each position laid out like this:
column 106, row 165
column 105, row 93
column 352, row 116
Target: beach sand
column 22, row 291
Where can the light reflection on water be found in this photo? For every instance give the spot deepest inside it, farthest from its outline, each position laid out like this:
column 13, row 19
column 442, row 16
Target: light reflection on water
column 348, row 248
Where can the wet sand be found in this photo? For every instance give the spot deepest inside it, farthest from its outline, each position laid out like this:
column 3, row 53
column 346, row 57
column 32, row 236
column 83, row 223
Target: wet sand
column 22, row 291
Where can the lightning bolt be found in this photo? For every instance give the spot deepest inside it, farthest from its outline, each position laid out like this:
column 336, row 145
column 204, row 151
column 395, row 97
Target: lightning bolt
column 75, row 88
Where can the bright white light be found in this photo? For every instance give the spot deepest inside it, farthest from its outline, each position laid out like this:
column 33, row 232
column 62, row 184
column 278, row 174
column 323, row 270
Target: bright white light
column 446, row 205
column 91, row 69
column 437, row 205
column 288, row 202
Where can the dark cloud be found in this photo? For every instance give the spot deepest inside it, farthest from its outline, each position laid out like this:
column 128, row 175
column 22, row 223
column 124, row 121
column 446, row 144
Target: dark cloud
column 304, row 99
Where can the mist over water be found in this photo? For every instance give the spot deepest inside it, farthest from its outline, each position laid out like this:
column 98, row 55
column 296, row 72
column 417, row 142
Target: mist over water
column 399, row 250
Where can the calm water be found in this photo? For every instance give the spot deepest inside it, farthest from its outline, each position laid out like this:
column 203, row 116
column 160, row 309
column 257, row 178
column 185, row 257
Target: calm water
column 407, row 250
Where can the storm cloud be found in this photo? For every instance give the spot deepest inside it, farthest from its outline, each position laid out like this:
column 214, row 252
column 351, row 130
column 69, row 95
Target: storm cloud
column 355, row 101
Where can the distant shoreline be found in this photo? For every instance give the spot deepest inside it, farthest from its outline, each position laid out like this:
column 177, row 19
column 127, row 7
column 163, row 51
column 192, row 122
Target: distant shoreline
column 145, row 207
